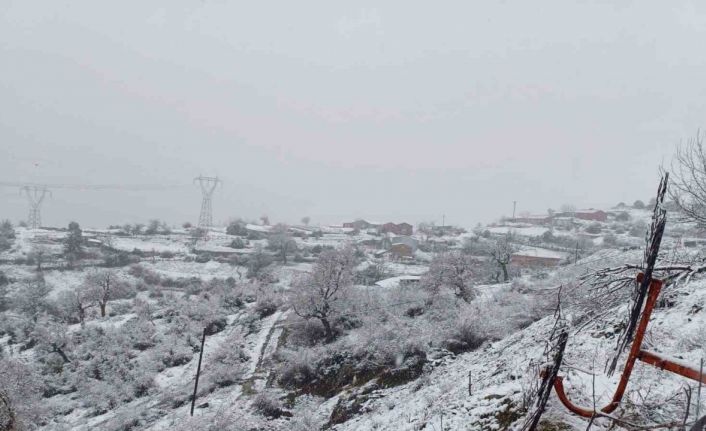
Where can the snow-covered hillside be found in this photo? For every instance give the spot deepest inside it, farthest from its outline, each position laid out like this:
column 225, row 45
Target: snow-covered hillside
column 412, row 347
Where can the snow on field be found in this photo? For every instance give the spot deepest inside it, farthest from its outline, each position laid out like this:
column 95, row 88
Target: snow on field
column 403, row 269
column 540, row 252
column 395, row 281
column 63, row 280
column 286, row 274
column 206, row 271
column 149, row 244
column 26, row 240
column 530, row 231
column 213, row 248
column 258, row 228
column 330, row 240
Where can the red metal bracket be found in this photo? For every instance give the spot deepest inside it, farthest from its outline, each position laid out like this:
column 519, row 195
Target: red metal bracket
column 635, row 354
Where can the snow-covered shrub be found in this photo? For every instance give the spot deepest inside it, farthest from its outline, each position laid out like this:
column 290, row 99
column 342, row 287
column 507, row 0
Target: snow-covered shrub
column 155, row 292
column 297, row 369
column 638, row 229
column 21, row 389
column 307, row 333
column 237, row 243
column 141, row 332
column 120, row 308
column 265, row 307
column 594, row 228
column 172, row 352
column 267, row 405
column 469, row 334
column 226, row 366
column 107, row 372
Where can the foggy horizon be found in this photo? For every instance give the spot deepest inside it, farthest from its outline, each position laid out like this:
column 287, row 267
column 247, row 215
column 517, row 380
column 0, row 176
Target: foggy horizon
column 398, row 112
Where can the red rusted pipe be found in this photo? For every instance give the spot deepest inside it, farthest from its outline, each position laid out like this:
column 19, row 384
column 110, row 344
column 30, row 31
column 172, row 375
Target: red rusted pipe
column 676, row 368
column 655, row 287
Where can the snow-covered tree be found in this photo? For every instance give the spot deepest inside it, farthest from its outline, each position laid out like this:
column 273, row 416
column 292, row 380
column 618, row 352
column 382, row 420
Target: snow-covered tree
column 4, row 300
column 500, row 251
column 38, row 254
column 453, row 270
column 318, row 294
column 688, row 180
column 73, row 244
column 7, row 234
column 20, row 391
column 257, row 262
column 281, row 241
column 73, row 303
column 237, row 227
column 103, row 286
column 52, row 341
column 31, row 298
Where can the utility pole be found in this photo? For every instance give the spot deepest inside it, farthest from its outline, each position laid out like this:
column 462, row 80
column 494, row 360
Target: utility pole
column 198, row 372
column 35, row 195
column 208, row 185
column 514, row 207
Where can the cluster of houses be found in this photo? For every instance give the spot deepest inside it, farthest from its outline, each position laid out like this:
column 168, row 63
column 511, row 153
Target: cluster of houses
column 562, row 217
column 396, row 243
column 389, row 227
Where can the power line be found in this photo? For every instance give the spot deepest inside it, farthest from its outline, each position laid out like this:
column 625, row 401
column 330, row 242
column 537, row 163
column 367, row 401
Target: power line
column 87, row 187
column 37, row 192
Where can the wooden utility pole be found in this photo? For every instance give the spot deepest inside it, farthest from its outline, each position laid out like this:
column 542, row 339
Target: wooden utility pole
column 514, row 207
column 198, row 372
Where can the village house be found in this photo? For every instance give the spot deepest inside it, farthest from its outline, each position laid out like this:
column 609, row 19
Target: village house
column 537, row 257
column 361, row 224
column 539, row 220
column 388, row 241
column 400, row 251
column 398, row 228
column 588, row 214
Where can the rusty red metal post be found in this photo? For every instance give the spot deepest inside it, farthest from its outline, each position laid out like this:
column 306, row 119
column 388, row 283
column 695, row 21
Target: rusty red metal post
column 636, row 353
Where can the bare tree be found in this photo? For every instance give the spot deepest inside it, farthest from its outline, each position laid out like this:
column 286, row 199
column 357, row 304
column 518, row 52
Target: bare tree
column 318, row 294
column 38, row 254
column 306, row 220
column 500, row 252
column 21, row 405
column 453, row 270
column 31, row 297
column 281, row 241
column 688, row 187
column 103, row 286
column 75, row 302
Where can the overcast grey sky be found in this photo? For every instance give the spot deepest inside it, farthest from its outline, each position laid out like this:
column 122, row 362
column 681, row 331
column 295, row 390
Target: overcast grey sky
column 387, row 110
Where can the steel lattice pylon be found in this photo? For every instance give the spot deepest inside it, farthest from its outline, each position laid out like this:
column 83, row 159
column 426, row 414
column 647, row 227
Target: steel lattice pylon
column 208, row 185
column 35, row 196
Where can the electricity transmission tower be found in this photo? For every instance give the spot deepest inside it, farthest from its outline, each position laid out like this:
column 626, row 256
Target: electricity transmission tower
column 37, row 192
column 35, row 195
column 208, row 185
